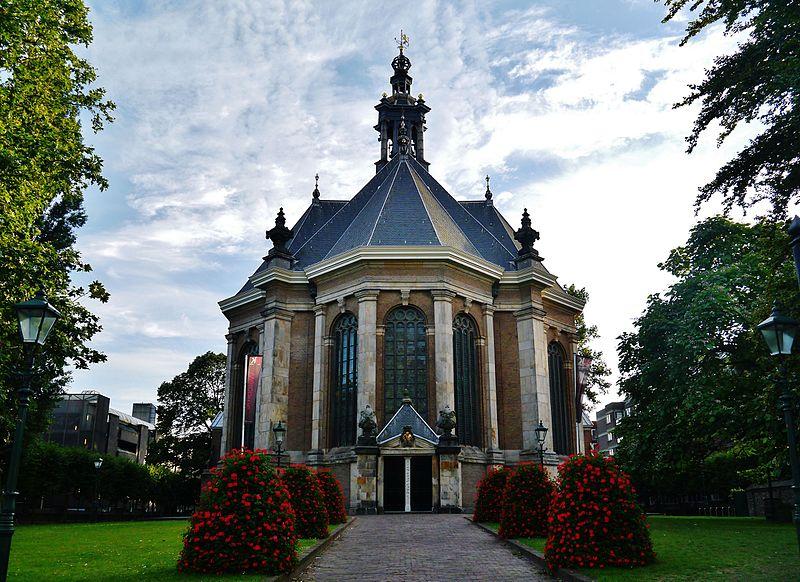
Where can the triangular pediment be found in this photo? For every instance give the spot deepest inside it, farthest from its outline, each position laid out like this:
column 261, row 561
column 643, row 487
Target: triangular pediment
column 407, row 416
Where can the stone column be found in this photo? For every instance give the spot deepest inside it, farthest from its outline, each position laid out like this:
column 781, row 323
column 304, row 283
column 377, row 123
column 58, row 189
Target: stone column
column 533, row 380
column 319, row 387
column 450, row 496
column 407, row 488
column 367, row 348
column 273, row 401
column 490, row 382
column 443, row 347
column 226, row 439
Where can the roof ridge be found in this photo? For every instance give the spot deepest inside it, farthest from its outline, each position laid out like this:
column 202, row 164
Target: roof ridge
column 335, row 214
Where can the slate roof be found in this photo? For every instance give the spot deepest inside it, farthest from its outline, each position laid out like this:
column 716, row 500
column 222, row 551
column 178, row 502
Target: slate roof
column 401, row 205
column 407, row 415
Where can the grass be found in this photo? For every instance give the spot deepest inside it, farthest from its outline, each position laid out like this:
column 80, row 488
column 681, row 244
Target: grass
column 709, row 548
column 144, row 550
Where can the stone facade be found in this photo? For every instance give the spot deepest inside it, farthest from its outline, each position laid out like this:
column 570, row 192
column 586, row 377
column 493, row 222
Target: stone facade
column 402, row 242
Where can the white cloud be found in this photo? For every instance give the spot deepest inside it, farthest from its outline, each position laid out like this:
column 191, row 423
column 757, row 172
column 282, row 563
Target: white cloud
column 227, row 109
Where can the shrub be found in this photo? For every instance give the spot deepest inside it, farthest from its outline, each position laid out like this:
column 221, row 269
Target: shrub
column 595, row 521
column 333, row 497
column 526, row 501
column 489, row 500
column 244, row 521
column 311, row 520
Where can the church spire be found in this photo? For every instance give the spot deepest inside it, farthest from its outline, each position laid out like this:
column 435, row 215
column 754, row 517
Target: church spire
column 401, row 104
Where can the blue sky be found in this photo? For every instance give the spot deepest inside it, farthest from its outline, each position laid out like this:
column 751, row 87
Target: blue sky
column 225, row 111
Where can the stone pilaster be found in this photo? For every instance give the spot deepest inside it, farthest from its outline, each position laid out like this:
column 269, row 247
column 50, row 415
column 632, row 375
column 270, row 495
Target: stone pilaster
column 449, row 483
column 226, row 438
column 319, row 389
column 490, row 382
column 273, row 401
column 533, row 379
column 443, row 333
column 367, row 347
column 366, row 480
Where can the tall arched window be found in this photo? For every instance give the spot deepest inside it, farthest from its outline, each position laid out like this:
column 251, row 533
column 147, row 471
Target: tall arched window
column 246, row 376
column 466, row 376
column 405, row 360
column 344, row 381
column 558, row 398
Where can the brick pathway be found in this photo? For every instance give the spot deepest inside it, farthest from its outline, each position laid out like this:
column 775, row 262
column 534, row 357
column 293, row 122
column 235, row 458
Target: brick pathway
column 420, row 547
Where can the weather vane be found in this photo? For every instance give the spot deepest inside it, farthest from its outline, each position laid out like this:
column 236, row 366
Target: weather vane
column 403, row 42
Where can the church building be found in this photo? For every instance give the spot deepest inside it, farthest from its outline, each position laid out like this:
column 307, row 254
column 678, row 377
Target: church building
column 407, row 341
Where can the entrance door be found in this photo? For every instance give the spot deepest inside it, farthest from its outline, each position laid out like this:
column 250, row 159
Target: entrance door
column 421, row 483
column 394, row 492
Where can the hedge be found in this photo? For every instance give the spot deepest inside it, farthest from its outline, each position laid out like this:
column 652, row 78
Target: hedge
column 333, row 497
column 526, row 502
column 489, row 499
column 307, row 500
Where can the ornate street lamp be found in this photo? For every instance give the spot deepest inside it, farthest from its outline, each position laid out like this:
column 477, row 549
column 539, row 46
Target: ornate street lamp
column 541, row 434
column 279, row 430
column 779, row 332
column 36, row 319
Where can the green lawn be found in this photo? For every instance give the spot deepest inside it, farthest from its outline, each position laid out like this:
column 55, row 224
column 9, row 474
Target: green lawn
column 709, row 548
column 144, row 550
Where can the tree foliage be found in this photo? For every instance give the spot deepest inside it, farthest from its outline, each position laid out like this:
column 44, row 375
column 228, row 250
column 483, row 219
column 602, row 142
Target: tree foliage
column 46, row 95
column 187, row 405
column 596, row 382
column 759, row 82
column 705, row 415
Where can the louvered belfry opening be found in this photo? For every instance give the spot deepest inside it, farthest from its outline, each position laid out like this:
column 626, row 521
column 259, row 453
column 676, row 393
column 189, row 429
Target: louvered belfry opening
column 465, row 336
column 558, row 398
column 405, row 360
column 345, row 380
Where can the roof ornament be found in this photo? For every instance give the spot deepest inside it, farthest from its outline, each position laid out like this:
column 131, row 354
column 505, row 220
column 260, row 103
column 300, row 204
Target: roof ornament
column 403, row 42
column 400, row 63
column 279, row 236
column 488, row 194
column 315, row 194
column 526, row 236
column 402, row 139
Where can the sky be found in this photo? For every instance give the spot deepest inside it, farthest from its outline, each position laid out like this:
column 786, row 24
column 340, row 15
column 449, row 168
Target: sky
column 226, row 110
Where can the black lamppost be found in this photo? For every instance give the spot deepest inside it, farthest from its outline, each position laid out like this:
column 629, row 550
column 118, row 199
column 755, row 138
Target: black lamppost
column 280, row 432
column 97, row 464
column 541, row 434
column 36, row 318
column 779, row 332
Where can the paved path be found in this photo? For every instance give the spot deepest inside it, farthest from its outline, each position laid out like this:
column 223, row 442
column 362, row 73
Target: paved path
column 420, row 547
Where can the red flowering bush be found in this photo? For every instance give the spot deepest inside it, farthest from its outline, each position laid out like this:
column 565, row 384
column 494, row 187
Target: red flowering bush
column 489, row 501
column 244, row 522
column 526, row 501
column 311, row 519
column 333, row 497
column 595, row 521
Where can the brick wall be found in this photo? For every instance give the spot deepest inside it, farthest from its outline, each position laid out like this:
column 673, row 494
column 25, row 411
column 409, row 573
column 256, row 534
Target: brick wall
column 509, row 409
column 301, row 382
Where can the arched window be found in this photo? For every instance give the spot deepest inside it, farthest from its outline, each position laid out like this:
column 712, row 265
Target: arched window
column 246, row 376
column 466, row 376
column 405, row 360
column 558, row 398
column 345, row 380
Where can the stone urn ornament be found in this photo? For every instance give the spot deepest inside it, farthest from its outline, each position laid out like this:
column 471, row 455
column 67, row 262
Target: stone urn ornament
column 368, row 426
column 446, row 422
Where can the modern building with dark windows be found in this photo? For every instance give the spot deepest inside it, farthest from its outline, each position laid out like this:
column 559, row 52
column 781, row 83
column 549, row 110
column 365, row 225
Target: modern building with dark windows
column 608, row 419
column 86, row 420
column 408, row 340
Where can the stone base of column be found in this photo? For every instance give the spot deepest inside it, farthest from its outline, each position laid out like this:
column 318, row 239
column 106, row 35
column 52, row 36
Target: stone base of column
column 315, row 458
column 366, row 480
column 551, row 460
column 449, row 483
column 495, row 457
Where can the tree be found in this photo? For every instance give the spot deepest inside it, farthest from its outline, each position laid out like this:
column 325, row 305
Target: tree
column 705, row 415
column 596, row 382
column 758, row 82
column 46, row 91
column 186, row 407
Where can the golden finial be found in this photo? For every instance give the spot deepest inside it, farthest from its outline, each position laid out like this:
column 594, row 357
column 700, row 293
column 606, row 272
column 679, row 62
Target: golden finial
column 403, row 42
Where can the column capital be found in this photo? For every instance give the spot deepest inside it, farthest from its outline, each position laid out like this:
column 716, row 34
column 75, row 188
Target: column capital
column 529, row 312
column 488, row 309
column 231, row 337
column 367, row 295
column 320, row 309
column 442, row 295
column 327, row 341
column 277, row 311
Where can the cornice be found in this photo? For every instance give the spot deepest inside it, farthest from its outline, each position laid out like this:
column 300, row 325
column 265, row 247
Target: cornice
column 278, row 274
column 562, row 298
column 241, row 299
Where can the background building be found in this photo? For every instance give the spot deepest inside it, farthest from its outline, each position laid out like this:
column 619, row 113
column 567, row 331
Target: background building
column 607, row 420
column 86, row 420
